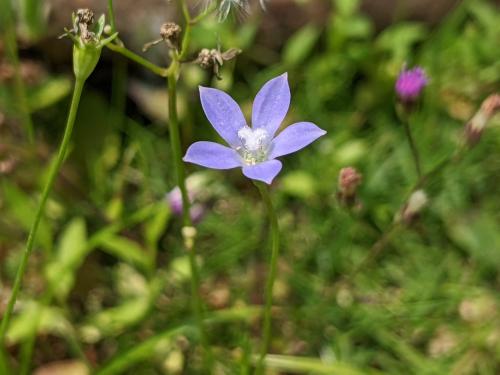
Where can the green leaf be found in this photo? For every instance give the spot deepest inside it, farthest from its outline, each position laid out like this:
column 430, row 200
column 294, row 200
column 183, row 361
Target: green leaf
column 300, row 45
column 125, row 249
column 71, row 252
column 305, row 365
column 116, row 319
column 21, row 208
column 346, row 7
column 299, row 183
column 48, row 93
column 35, row 316
column 400, row 38
column 155, row 227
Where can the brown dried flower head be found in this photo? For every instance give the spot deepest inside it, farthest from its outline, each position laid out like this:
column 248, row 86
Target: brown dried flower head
column 214, row 58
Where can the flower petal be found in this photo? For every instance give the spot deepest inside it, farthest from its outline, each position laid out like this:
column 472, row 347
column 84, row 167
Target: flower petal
column 223, row 113
column 265, row 171
column 294, row 138
column 271, row 104
column 212, row 155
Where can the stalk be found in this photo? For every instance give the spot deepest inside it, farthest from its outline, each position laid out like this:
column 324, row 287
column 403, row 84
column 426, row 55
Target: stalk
column 54, row 169
column 413, row 146
column 180, row 173
column 266, row 328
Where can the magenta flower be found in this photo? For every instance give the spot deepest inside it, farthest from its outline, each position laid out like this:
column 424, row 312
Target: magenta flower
column 410, row 83
column 254, row 148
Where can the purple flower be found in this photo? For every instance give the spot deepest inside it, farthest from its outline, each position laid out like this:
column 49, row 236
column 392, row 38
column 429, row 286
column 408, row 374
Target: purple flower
column 174, row 197
column 410, row 83
column 254, row 148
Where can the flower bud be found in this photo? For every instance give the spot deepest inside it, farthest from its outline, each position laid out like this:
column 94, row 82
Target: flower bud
column 189, row 235
column 475, row 127
column 416, row 203
column 349, row 180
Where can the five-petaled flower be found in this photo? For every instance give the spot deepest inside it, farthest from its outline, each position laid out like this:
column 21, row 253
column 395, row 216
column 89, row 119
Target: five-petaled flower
column 410, row 83
column 254, row 148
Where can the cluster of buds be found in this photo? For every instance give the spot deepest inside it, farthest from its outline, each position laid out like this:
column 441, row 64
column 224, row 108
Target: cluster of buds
column 86, row 35
column 214, row 58
column 349, row 181
column 170, row 33
column 411, row 210
column 476, row 125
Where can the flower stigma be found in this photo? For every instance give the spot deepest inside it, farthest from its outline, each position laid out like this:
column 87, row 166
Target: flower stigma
column 254, row 145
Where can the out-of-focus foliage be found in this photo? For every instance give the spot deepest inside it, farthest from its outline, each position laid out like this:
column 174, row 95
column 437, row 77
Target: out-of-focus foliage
column 109, row 270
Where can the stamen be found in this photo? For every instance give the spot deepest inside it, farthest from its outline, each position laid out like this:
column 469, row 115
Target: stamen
column 254, row 144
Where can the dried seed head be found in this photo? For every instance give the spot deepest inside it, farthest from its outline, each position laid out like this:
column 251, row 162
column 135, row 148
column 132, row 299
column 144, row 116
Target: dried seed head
column 85, row 16
column 214, row 58
column 205, row 58
column 475, row 126
column 170, row 31
column 86, row 36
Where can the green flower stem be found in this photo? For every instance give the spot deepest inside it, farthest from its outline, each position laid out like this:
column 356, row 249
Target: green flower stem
column 413, row 146
column 162, row 72
column 12, row 53
column 77, row 92
column 266, row 328
column 175, row 142
column 111, row 16
column 186, row 38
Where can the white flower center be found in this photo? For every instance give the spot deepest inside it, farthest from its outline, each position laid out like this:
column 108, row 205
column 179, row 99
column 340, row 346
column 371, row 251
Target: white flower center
column 254, row 144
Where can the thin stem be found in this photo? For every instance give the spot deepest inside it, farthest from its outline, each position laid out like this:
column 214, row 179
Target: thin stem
column 264, row 191
column 385, row 238
column 111, row 16
column 204, row 14
column 77, row 92
column 12, row 53
column 175, row 142
column 162, row 72
column 186, row 38
column 413, row 146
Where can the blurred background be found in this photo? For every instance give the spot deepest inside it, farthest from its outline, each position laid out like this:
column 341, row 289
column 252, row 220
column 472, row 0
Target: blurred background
column 354, row 295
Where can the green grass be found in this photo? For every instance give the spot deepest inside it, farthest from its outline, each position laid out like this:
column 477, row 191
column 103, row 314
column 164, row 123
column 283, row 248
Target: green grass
column 427, row 303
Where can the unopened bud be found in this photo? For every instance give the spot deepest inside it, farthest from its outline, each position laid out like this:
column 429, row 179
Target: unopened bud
column 416, row 203
column 475, row 127
column 189, row 235
column 349, row 180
